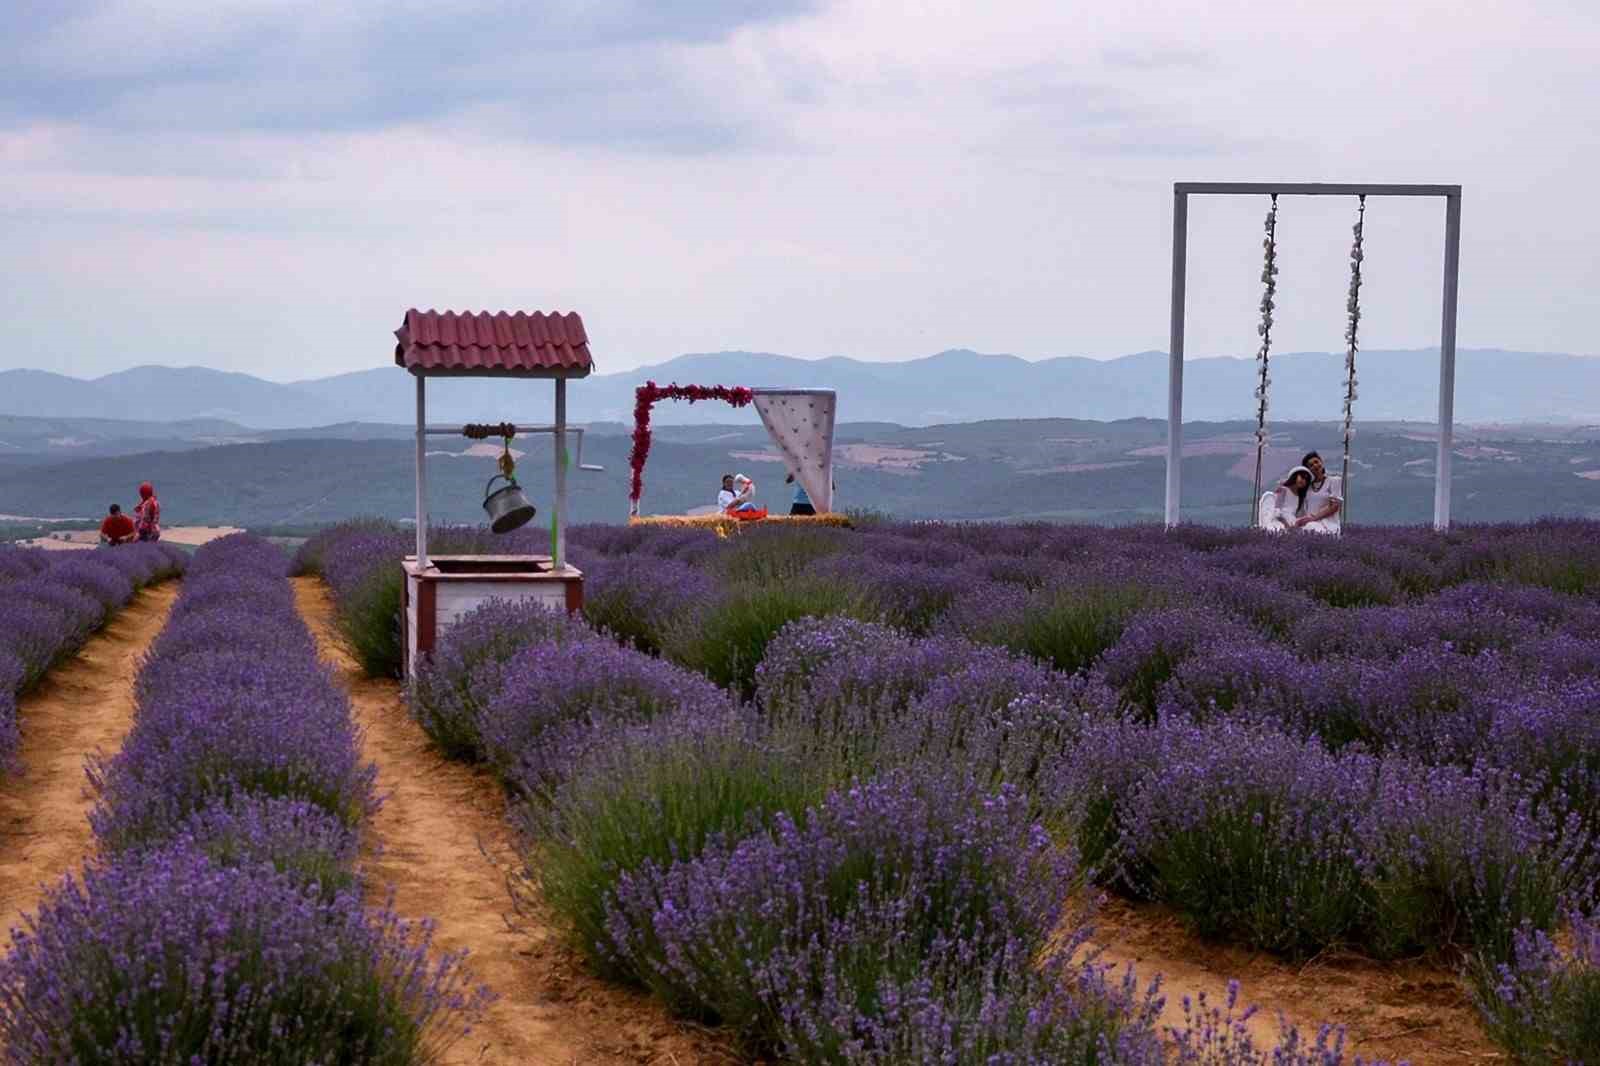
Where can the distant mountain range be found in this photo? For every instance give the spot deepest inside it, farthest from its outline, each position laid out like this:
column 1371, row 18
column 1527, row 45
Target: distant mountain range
column 953, row 386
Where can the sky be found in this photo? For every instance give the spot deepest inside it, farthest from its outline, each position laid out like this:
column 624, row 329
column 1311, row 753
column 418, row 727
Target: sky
column 267, row 186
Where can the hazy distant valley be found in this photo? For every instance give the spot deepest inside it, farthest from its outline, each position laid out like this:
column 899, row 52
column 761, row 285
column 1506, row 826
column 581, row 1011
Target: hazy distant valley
column 1056, row 469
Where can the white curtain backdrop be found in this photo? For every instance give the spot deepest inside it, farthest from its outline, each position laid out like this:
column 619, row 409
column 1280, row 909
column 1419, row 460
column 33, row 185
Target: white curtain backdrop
column 800, row 423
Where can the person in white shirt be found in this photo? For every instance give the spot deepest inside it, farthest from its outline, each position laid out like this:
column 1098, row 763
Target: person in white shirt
column 1324, row 498
column 735, row 496
column 1279, row 511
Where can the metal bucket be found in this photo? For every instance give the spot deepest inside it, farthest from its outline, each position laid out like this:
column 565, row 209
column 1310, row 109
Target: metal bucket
column 506, row 506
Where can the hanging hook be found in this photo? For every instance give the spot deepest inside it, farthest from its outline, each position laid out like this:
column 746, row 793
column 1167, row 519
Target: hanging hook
column 507, row 464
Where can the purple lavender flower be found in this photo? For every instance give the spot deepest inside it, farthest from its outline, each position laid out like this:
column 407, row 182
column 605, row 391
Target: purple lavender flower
column 652, row 793
column 1155, row 642
column 21, row 562
column 11, row 678
column 1468, row 856
column 1251, row 833
column 216, row 725
column 550, row 696
column 638, row 598
column 1542, row 1004
column 166, row 957
column 298, row 839
column 450, row 688
column 33, row 632
column 898, row 921
column 81, row 613
column 96, row 578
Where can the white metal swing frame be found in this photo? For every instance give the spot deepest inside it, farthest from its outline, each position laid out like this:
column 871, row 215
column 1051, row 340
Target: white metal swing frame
column 1182, row 190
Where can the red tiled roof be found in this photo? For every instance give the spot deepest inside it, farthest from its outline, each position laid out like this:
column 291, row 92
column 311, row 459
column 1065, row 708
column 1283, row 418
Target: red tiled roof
column 484, row 342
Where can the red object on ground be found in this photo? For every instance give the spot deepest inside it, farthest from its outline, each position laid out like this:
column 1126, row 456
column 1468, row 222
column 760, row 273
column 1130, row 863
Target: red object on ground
column 645, row 397
column 484, row 342
column 746, row 515
column 117, row 528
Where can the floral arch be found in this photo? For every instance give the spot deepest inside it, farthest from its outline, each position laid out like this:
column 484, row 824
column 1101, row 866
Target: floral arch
column 799, row 421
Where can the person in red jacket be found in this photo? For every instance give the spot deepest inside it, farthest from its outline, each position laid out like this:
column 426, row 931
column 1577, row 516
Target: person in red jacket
column 117, row 528
column 147, row 516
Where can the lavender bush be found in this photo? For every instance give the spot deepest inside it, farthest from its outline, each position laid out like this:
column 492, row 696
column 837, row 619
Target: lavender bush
column 451, row 687
column 898, row 921
column 1469, row 856
column 1253, row 834
column 11, row 676
column 638, row 599
column 1154, row 643
column 167, row 958
column 299, row 840
column 281, row 729
column 550, row 689
column 1068, row 625
column 219, row 718
column 654, row 793
column 1543, row 1003
column 727, row 640
column 80, row 613
column 95, row 577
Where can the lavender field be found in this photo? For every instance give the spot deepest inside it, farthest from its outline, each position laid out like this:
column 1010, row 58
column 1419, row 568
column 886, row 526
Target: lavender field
column 221, row 916
column 50, row 602
column 853, row 793
column 849, row 795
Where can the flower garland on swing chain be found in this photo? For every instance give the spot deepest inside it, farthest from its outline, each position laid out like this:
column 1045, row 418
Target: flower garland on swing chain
column 1353, row 310
column 1269, row 276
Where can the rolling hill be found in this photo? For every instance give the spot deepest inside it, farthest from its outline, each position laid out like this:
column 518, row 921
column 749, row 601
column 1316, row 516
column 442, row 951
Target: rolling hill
column 1052, row 469
column 952, row 386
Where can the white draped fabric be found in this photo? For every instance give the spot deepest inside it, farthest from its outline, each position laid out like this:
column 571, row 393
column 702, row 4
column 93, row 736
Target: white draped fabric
column 800, row 423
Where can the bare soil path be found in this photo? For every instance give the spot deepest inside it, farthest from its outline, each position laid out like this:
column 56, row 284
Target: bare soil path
column 444, row 846
column 1391, row 1011
column 83, row 706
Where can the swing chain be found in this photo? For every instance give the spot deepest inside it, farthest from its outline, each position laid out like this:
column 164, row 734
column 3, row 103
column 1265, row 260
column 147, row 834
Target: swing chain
column 1269, row 275
column 1352, row 346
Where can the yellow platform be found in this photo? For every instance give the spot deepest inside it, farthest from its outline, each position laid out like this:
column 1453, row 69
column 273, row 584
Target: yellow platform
column 722, row 525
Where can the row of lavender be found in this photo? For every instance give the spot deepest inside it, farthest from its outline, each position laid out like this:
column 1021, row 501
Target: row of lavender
column 50, row 602
column 222, row 918
column 635, row 780
column 916, row 914
column 1388, row 739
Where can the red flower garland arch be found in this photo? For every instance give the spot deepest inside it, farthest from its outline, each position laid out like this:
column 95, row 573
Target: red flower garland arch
column 645, row 397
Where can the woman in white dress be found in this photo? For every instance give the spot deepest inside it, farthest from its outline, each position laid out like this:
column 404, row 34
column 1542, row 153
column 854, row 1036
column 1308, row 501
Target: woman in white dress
column 1280, row 510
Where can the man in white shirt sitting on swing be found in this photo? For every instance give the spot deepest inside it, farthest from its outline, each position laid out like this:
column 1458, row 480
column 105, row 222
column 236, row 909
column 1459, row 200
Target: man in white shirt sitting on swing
column 1324, row 498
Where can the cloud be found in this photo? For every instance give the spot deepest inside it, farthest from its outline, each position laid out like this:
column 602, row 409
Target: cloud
column 252, row 184
column 561, row 72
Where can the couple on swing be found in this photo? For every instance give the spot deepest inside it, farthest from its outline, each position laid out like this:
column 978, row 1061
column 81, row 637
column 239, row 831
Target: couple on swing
column 1308, row 500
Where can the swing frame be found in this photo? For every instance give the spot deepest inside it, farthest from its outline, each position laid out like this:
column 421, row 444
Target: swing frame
column 1182, row 190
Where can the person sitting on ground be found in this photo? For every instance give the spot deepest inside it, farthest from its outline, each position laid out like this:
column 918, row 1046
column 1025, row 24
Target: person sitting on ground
column 1279, row 510
column 736, row 499
column 147, row 515
column 1324, row 498
column 117, row 528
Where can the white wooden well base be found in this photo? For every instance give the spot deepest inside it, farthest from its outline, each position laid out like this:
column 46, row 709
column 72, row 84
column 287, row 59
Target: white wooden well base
column 452, row 585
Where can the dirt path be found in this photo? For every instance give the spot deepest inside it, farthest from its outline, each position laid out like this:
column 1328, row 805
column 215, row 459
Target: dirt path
column 445, row 848
column 83, row 706
column 1391, row 1011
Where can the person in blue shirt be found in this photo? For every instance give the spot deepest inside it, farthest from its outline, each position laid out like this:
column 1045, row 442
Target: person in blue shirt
column 802, row 501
